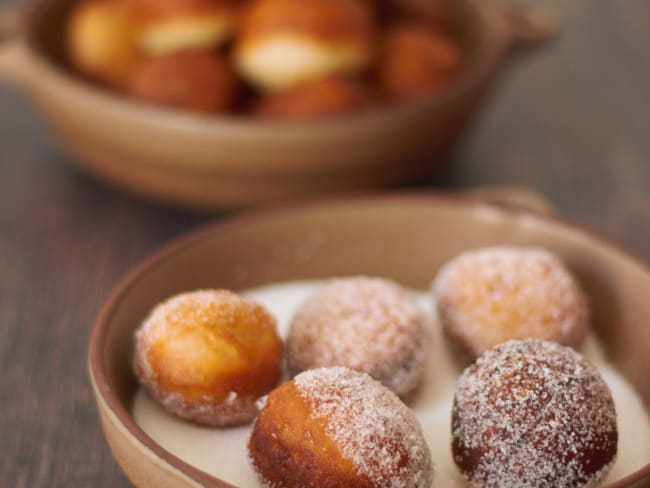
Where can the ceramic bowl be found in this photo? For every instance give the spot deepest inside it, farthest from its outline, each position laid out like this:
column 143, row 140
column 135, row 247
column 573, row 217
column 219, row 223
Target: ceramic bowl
column 403, row 237
column 212, row 162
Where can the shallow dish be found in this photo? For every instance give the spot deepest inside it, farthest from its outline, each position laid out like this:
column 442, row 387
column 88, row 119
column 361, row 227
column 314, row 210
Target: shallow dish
column 212, row 162
column 403, row 237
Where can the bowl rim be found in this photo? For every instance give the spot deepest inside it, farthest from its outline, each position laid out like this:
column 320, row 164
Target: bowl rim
column 96, row 367
column 493, row 41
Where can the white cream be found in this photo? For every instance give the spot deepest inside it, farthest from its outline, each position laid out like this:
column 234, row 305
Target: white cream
column 222, row 452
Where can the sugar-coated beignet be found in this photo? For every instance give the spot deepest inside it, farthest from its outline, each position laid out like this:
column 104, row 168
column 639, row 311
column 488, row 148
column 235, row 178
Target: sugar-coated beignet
column 100, row 40
column 336, row 428
column 208, row 355
column 533, row 414
column 491, row 295
column 284, row 43
column 197, row 81
column 318, row 99
column 417, row 61
column 367, row 324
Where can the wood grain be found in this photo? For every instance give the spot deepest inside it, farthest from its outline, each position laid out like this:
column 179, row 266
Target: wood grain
column 571, row 122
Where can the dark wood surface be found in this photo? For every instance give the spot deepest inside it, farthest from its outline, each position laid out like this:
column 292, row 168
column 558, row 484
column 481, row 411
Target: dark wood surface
column 572, row 122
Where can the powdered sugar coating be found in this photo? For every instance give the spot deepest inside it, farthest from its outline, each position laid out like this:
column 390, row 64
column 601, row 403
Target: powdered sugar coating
column 371, row 325
column 533, row 414
column 371, row 426
column 210, row 309
column 491, row 295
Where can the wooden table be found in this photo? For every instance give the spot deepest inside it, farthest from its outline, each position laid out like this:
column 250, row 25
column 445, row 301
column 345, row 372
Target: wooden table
column 572, row 122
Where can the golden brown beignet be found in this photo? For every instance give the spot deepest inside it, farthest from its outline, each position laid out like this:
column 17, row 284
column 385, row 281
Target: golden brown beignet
column 417, row 61
column 491, row 295
column 318, row 99
column 284, row 43
column 438, row 14
column 533, row 413
column 100, row 40
column 367, row 324
column 197, row 81
column 169, row 26
column 336, row 428
column 208, row 355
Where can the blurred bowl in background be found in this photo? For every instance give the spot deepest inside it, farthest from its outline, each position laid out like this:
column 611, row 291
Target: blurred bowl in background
column 213, row 162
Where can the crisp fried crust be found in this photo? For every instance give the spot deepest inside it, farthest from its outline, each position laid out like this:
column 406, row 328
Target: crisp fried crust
column 290, row 448
column 189, row 80
column 208, row 355
column 319, row 99
column 417, row 61
column 100, row 39
column 285, row 43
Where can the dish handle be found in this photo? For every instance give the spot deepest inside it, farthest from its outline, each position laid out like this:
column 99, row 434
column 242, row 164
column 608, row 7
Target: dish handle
column 528, row 24
column 13, row 49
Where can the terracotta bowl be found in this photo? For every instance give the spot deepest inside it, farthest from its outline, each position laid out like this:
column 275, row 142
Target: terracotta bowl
column 402, row 237
column 212, row 162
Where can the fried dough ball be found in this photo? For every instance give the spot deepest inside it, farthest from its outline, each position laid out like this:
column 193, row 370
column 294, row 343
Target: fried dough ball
column 196, row 81
column 438, row 14
column 417, row 61
column 161, row 9
column 318, row 99
column 336, row 428
column 491, row 295
column 169, row 26
column 533, row 414
column 367, row 324
column 100, row 40
column 284, row 43
column 208, row 355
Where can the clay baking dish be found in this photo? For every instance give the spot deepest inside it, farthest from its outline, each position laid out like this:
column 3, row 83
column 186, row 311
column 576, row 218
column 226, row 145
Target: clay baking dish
column 213, row 162
column 403, row 237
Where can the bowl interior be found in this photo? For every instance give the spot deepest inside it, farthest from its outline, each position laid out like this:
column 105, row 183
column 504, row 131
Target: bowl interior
column 403, row 238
